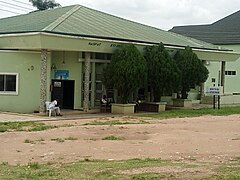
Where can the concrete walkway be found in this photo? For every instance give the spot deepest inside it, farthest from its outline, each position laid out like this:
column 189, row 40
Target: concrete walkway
column 15, row 117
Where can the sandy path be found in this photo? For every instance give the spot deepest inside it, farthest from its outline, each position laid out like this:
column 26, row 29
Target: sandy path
column 206, row 138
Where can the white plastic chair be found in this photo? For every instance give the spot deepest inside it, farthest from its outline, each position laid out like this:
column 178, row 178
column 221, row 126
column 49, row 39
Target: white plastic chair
column 49, row 110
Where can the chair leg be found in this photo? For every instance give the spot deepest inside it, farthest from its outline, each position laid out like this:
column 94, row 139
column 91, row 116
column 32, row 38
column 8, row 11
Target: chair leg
column 50, row 113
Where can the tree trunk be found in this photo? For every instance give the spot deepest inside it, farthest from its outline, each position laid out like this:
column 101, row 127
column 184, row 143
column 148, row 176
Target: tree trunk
column 184, row 94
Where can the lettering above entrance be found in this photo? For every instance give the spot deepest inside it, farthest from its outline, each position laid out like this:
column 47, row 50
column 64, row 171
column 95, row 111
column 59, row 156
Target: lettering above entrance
column 94, row 44
column 106, row 45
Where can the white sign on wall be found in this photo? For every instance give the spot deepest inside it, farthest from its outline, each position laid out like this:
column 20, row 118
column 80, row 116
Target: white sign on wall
column 215, row 91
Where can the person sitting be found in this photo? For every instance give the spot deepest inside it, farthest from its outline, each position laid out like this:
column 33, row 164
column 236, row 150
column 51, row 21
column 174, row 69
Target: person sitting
column 53, row 105
column 104, row 100
column 136, row 108
column 105, row 104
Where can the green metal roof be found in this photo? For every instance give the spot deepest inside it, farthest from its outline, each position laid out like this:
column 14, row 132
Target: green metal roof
column 82, row 21
column 224, row 31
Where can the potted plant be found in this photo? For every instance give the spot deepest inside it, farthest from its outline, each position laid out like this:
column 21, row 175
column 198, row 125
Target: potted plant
column 126, row 73
column 193, row 73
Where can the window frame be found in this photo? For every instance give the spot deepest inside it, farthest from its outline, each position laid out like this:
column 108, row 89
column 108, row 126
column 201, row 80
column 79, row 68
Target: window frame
column 17, row 80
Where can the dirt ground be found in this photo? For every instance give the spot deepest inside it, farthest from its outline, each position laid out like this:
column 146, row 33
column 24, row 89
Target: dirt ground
column 206, row 138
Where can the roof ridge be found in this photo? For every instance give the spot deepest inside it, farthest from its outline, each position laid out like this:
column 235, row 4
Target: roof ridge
column 62, row 18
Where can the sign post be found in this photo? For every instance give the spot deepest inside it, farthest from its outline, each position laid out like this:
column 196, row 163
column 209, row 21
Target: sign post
column 215, row 91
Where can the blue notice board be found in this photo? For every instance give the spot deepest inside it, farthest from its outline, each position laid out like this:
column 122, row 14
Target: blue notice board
column 61, row 74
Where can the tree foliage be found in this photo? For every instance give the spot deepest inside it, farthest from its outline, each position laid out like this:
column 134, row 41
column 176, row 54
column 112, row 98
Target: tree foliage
column 126, row 73
column 163, row 74
column 44, row 4
column 193, row 72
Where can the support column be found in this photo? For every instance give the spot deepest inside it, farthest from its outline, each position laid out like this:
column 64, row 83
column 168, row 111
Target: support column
column 223, row 68
column 43, row 80
column 93, row 88
column 202, row 86
column 86, row 81
column 202, row 91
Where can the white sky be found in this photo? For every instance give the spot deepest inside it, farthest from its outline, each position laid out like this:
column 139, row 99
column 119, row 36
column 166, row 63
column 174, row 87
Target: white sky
column 163, row 14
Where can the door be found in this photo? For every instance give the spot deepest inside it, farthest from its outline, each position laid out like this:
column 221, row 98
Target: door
column 63, row 92
column 68, row 94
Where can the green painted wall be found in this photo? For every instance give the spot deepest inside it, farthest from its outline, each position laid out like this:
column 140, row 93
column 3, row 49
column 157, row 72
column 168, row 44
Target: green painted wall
column 75, row 71
column 232, row 83
column 214, row 73
column 28, row 98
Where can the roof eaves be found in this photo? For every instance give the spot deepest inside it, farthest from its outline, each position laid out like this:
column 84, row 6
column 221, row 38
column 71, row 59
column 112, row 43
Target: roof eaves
column 131, row 40
column 61, row 19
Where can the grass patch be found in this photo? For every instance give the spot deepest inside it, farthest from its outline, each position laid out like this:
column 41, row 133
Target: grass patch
column 229, row 170
column 58, row 140
column 94, row 169
column 91, row 139
column 116, row 122
column 38, row 141
column 87, row 169
column 33, row 165
column 112, row 138
column 42, row 127
column 70, row 138
column 24, row 126
column 29, row 141
column 4, row 163
column 195, row 112
column 66, row 125
column 145, row 176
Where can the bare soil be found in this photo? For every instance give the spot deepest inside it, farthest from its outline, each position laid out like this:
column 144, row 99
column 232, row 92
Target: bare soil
column 206, row 138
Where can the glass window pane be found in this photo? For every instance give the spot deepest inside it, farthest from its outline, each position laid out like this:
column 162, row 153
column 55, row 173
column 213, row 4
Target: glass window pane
column 98, row 86
column 99, row 56
column 10, row 83
column 98, row 96
column 1, row 82
column 98, row 77
column 109, row 56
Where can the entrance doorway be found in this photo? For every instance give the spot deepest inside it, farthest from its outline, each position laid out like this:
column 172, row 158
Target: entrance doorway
column 63, row 92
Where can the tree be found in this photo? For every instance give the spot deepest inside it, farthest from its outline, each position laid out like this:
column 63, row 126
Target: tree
column 44, row 4
column 163, row 74
column 193, row 72
column 126, row 73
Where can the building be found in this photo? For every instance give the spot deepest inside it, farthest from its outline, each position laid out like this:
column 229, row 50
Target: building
column 226, row 34
column 60, row 54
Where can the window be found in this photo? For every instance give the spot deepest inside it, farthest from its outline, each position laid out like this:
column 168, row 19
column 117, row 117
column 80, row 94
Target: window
column 99, row 56
column 8, row 83
column 231, row 73
column 103, row 56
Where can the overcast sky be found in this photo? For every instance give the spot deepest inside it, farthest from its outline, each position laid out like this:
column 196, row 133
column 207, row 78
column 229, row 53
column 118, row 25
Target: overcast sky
column 163, row 14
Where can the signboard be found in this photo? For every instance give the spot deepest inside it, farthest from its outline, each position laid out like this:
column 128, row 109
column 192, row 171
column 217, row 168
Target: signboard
column 215, row 91
column 61, row 74
column 57, row 84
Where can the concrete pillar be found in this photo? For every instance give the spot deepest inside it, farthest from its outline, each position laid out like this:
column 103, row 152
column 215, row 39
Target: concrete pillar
column 202, row 86
column 223, row 68
column 86, row 81
column 43, row 80
column 93, row 88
